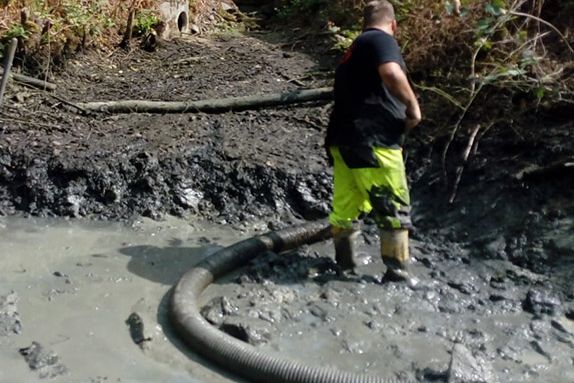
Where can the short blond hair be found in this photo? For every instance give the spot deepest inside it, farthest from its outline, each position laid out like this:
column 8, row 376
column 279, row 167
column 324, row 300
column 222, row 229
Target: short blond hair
column 377, row 12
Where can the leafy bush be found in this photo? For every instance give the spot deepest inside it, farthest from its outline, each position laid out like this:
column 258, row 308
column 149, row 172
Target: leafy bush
column 56, row 27
column 145, row 21
column 503, row 45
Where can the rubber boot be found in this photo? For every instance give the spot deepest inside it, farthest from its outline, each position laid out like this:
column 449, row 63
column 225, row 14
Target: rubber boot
column 344, row 240
column 395, row 254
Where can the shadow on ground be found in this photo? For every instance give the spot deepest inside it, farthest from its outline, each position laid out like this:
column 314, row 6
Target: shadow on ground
column 165, row 265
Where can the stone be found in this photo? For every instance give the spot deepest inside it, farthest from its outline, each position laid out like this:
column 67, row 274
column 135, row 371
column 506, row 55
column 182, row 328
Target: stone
column 188, row 197
column 540, row 301
column 466, row 368
column 311, row 207
column 45, row 362
column 217, row 309
column 464, row 281
column 9, row 317
column 254, row 332
column 136, row 327
column 73, row 203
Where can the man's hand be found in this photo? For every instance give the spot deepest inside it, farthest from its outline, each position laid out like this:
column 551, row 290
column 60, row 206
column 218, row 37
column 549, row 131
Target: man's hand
column 397, row 83
column 413, row 118
column 410, row 123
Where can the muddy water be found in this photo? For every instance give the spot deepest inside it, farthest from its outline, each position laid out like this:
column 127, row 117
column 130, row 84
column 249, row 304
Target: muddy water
column 466, row 322
column 68, row 287
column 76, row 283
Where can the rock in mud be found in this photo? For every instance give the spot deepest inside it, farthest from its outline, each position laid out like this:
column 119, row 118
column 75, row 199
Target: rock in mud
column 137, row 333
column 217, row 309
column 464, row 281
column 465, row 368
column 45, row 362
column 9, row 316
column 540, row 329
column 255, row 332
column 187, row 196
column 541, row 301
column 72, row 205
column 310, row 207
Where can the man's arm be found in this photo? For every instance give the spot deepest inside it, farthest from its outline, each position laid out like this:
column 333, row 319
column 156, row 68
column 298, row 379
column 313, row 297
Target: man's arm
column 397, row 83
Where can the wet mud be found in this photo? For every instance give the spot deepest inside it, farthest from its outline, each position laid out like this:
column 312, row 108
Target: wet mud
column 87, row 302
column 468, row 320
column 496, row 301
column 237, row 166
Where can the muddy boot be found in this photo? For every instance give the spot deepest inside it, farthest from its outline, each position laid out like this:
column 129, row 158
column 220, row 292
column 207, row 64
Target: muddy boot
column 395, row 254
column 344, row 247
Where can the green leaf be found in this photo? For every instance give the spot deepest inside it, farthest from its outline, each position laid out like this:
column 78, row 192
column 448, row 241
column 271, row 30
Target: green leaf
column 495, row 7
column 483, row 26
column 539, row 93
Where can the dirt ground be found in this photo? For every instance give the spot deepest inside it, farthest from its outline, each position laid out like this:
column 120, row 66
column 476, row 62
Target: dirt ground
column 496, row 264
column 236, row 164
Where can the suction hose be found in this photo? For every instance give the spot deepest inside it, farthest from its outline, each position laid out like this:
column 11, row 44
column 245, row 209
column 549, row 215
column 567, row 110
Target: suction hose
column 231, row 353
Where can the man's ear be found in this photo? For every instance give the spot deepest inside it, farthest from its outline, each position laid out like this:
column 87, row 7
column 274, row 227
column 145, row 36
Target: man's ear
column 394, row 26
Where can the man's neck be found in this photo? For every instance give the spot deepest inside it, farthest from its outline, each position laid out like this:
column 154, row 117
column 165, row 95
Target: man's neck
column 383, row 27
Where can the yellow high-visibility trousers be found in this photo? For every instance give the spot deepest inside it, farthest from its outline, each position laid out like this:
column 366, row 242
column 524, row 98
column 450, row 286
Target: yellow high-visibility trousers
column 381, row 189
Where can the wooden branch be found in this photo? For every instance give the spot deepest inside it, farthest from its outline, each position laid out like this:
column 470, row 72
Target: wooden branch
column 31, row 81
column 9, row 58
column 558, row 168
column 129, row 29
column 545, row 23
column 465, row 156
column 209, row 106
column 68, row 103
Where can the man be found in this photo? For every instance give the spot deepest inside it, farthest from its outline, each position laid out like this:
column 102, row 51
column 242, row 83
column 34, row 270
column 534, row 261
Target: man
column 374, row 107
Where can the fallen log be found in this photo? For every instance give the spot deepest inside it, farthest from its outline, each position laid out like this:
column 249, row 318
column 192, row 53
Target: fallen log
column 209, row 106
column 36, row 83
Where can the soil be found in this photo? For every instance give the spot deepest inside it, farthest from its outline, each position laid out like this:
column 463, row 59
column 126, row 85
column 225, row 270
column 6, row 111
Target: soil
column 496, row 264
column 235, row 165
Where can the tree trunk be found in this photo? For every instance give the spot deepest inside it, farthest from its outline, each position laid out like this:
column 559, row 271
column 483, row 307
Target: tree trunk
column 209, row 106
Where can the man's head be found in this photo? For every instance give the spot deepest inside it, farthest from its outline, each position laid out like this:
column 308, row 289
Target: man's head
column 380, row 14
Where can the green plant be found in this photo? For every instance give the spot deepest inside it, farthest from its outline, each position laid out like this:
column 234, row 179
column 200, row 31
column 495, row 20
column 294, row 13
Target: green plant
column 16, row 30
column 145, row 21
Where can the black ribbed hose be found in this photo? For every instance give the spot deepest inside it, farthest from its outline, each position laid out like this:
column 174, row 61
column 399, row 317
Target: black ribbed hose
column 231, row 353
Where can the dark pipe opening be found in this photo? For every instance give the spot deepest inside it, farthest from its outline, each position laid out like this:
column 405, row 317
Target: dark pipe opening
column 182, row 22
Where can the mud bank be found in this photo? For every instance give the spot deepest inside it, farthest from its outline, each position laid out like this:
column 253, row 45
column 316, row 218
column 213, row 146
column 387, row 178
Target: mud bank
column 236, row 165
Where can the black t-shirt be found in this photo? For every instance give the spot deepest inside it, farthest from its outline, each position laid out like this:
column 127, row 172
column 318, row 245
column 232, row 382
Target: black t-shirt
column 365, row 113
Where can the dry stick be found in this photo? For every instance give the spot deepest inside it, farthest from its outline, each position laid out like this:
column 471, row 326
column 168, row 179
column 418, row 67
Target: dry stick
column 460, row 168
column 66, row 102
column 545, row 23
column 128, row 35
column 7, row 66
column 557, row 167
column 209, row 106
column 474, row 149
column 49, row 57
column 455, row 130
column 441, row 93
column 34, row 82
